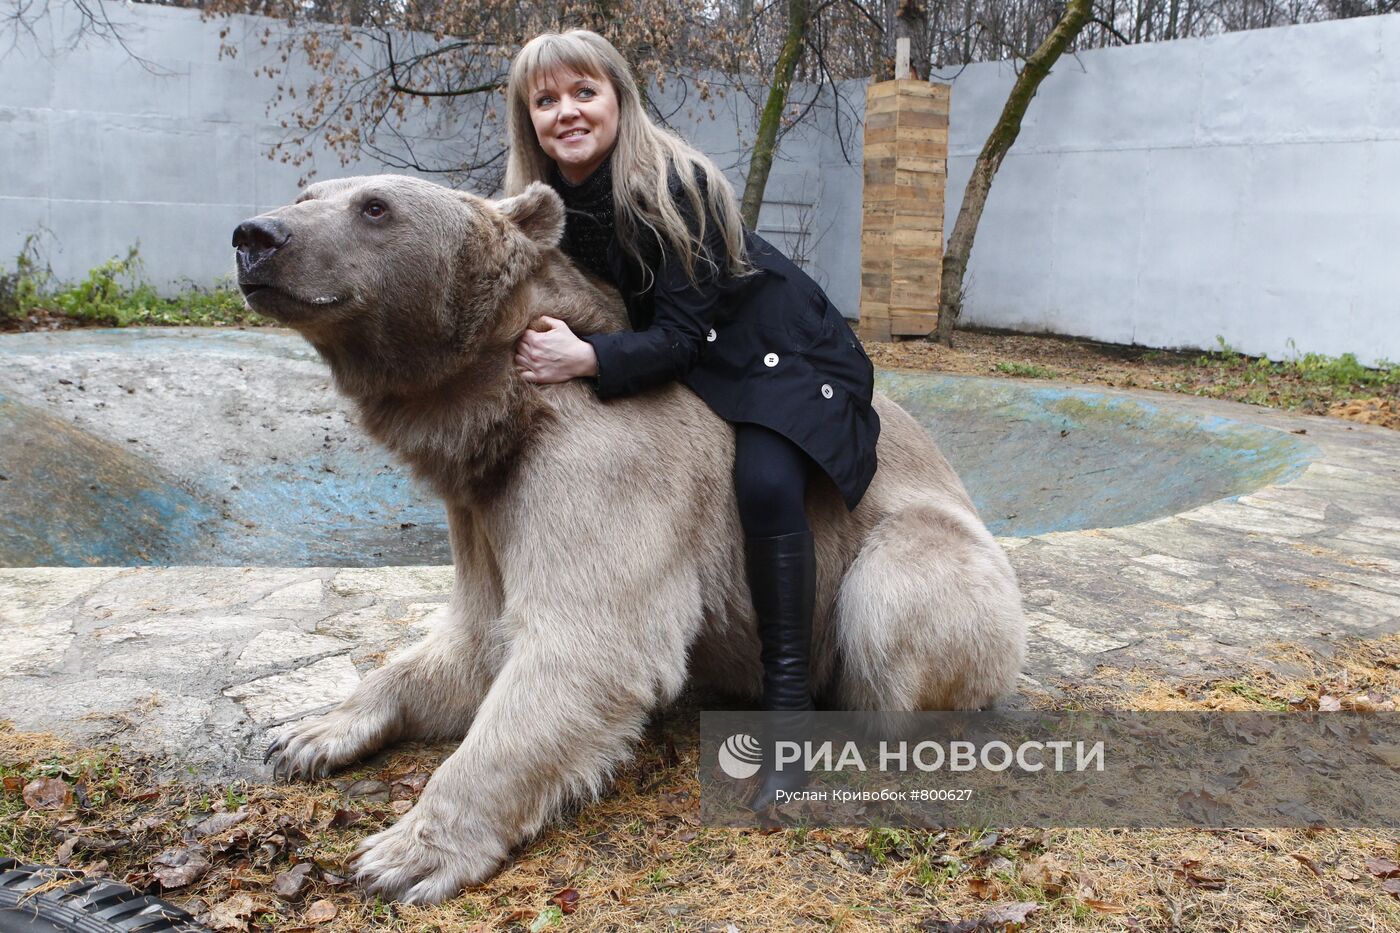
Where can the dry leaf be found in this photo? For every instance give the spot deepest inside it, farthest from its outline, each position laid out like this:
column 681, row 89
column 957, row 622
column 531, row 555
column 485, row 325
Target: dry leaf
column 1201, row 806
column 220, row 823
column 175, row 868
column 334, row 880
column 566, row 900
column 1328, row 704
column 1047, row 872
column 1307, row 863
column 1009, row 913
column 1391, row 886
column 64, row 855
column 232, row 914
column 292, row 882
column 1360, row 703
column 1382, row 867
column 344, row 818
column 566, row 867
column 409, row 786
column 320, row 912
column 369, row 790
column 1188, row 873
column 1104, row 907
column 48, row 794
column 1299, row 812
column 981, row 888
column 14, row 784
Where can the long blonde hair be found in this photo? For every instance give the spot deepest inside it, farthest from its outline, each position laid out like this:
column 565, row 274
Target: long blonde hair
column 642, row 158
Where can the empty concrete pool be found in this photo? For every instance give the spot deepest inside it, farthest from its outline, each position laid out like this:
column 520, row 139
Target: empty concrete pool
column 162, row 447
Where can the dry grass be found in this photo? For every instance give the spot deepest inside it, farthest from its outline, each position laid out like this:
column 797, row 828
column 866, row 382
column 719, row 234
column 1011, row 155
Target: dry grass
column 638, row 859
column 1313, row 387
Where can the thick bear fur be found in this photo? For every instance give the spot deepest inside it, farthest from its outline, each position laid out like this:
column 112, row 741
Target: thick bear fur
column 598, row 552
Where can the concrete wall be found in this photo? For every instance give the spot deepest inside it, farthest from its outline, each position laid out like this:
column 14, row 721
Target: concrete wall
column 1246, row 186
column 101, row 152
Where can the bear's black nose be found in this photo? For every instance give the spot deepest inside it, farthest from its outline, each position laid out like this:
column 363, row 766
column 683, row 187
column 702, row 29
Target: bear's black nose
column 257, row 239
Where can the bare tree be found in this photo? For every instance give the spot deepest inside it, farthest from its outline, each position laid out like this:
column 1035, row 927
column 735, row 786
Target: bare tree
column 419, row 84
column 89, row 19
column 1008, row 127
column 765, row 141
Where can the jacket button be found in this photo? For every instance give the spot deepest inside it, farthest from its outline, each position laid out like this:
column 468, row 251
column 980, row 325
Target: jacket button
column 826, row 391
column 711, row 336
column 770, row 360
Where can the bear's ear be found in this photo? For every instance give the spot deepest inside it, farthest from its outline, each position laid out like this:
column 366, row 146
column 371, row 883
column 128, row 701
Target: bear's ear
column 539, row 213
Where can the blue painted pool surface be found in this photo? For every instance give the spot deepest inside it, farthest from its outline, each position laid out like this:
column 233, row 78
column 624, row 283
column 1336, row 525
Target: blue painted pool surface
column 1039, row 459
column 1035, row 459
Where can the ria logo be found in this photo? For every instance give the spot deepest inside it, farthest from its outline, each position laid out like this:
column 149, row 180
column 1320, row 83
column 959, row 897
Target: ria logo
column 740, row 756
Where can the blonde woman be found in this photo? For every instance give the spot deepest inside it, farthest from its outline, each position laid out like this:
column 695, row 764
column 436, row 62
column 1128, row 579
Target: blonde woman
column 711, row 305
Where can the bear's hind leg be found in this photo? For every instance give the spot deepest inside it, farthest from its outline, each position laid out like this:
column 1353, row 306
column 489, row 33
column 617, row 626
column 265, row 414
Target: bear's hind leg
column 928, row 615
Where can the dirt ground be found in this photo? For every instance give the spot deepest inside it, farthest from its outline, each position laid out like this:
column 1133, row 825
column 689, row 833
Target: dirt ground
column 1224, row 376
column 273, row 857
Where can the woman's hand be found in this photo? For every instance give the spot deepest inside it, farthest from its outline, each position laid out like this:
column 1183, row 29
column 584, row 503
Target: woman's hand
column 553, row 355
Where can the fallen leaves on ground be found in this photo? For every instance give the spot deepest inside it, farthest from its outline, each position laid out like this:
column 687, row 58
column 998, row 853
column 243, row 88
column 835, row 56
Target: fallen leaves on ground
column 994, row 920
column 235, row 912
column 1384, row 412
column 291, row 883
column 638, row 859
column 566, row 900
column 1383, row 867
column 176, row 868
column 321, row 912
column 220, row 823
column 48, row 794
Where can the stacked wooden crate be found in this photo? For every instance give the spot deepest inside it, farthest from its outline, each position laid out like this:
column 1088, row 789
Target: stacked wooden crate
column 901, row 239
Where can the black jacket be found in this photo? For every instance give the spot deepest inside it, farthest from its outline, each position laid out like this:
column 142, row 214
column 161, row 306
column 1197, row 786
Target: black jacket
column 769, row 349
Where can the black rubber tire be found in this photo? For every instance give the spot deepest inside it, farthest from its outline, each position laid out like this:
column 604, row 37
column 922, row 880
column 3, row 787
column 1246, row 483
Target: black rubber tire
column 80, row 906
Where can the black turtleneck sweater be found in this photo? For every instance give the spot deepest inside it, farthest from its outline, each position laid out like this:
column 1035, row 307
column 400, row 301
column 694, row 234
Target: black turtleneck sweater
column 589, row 225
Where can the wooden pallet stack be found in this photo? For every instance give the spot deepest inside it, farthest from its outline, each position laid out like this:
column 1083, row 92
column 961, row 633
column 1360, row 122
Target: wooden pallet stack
column 901, row 239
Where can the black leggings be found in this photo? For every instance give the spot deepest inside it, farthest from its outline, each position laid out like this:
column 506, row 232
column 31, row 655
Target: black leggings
column 770, row 482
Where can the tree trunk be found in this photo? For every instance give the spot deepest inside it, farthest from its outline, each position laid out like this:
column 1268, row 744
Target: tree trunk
column 911, row 22
column 984, row 170
column 761, row 162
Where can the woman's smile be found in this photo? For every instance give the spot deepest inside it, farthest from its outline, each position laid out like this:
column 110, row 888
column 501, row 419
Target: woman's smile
column 575, row 119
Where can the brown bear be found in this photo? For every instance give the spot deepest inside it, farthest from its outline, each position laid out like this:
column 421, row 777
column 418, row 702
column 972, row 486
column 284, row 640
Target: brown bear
column 597, row 545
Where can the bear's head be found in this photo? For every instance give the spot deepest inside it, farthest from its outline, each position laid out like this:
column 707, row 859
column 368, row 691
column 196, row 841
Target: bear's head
column 398, row 282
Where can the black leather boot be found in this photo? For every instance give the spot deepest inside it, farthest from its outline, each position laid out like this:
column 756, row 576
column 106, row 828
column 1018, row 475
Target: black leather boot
column 782, row 574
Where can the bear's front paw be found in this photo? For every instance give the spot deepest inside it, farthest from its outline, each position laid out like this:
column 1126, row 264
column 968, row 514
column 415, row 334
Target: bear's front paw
column 424, row 860
column 310, row 750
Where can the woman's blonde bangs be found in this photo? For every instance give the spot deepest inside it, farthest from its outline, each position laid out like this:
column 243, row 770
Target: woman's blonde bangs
column 556, row 53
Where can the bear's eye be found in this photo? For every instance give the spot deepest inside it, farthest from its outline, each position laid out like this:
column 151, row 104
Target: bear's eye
column 375, row 209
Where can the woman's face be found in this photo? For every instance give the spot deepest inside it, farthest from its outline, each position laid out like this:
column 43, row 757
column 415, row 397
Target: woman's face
column 575, row 119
